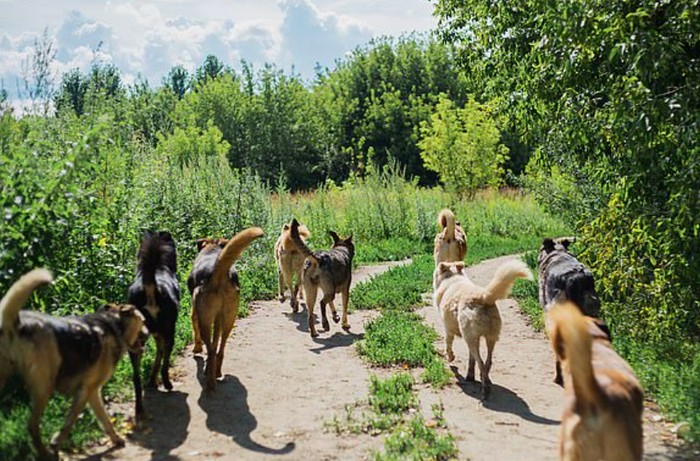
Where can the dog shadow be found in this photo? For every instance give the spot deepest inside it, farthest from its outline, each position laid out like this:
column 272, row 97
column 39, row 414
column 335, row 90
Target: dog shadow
column 228, row 412
column 338, row 339
column 300, row 318
column 165, row 427
column 501, row 399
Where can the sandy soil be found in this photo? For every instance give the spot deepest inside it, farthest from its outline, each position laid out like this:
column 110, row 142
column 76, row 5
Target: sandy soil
column 281, row 387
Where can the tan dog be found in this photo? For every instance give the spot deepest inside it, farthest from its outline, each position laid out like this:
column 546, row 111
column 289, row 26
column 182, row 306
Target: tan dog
column 451, row 242
column 290, row 262
column 470, row 311
column 72, row 355
column 215, row 290
column 602, row 417
column 331, row 271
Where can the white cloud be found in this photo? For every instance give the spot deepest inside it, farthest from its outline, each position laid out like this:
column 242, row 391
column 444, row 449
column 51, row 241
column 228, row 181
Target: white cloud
column 149, row 38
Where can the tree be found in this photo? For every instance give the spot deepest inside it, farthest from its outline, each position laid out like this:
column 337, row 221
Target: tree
column 462, row 146
column 38, row 76
column 71, row 94
column 177, row 81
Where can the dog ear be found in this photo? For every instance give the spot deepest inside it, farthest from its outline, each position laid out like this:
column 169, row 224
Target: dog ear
column 349, row 239
column 285, row 227
column 565, row 243
column 222, row 243
column 443, row 267
column 459, row 266
column 201, row 243
column 548, row 244
column 335, row 237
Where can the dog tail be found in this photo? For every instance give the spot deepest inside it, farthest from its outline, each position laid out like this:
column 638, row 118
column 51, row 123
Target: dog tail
column 569, row 332
column 503, row 280
column 18, row 295
column 446, row 220
column 296, row 238
column 157, row 250
column 232, row 251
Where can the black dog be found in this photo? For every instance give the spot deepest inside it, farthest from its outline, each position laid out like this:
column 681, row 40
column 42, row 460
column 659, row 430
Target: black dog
column 562, row 277
column 156, row 293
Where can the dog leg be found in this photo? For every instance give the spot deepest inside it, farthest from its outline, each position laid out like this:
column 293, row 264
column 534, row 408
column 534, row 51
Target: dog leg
column 205, row 321
column 227, row 328
column 345, row 294
column 490, row 345
column 334, row 312
column 98, row 408
column 449, row 339
column 324, row 318
column 218, row 343
column 196, row 328
column 135, row 359
column 153, row 379
column 473, row 344
column 472, row 363
column 79, row 401
column 40, row 398
column 165, row 370
column 294, row 301
column 282, row 286
column 310, row 301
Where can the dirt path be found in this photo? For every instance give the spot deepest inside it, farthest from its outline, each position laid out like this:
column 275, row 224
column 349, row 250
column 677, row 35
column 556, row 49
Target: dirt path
column 281, row 387
column 520, row 420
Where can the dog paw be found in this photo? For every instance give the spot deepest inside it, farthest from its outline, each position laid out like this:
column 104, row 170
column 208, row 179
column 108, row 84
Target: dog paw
column 449, row 355
column 336, row 318
column 326, row 325
column 282, row 298
column 118, row 442
column 559, row 380
column 168, row 385
column 314, row 334
column 346, row 327
column 197, row 349
column 469, row 377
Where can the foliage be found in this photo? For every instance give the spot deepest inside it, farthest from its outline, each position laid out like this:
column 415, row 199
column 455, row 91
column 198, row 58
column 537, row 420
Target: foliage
column 462, row 146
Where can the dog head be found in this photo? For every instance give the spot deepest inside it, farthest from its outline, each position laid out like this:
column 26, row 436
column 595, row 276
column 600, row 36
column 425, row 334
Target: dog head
column 133, row 324
column 209, row 243
column 338, row 242
column 550, row 248
column 446, row 270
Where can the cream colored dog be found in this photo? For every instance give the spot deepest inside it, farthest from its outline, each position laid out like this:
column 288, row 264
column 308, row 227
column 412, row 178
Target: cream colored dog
column 290, row 262
column 469, row 310
column 602, row 418
column 451, row 242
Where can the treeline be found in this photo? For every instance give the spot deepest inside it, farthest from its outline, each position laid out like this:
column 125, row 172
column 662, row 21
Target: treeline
column 367, row 110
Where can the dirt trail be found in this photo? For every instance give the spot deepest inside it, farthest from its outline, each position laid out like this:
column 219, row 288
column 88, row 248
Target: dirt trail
column 281, row 386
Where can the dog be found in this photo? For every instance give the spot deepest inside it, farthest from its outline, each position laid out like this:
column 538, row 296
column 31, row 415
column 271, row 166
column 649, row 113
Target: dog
column 563, row 277
column 470, row 311
column 451, row 242
column 602, row 418
column 72, row 355
column 156, row 294
column 290, row 262
column 331, row 271
column 215, row 291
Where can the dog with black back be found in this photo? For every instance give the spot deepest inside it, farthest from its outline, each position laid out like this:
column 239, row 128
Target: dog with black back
column 329, row 270
column 72, row 355
column 156, row 294
column 215, row 291
column 562, row 277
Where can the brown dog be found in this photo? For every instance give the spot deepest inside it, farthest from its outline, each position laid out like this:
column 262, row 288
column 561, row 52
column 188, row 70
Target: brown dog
column 331, row 271
column 290, row 262
column 602, row 418
column 215, row 290
column 451, row 242
column 72, row 355
column 469, row 310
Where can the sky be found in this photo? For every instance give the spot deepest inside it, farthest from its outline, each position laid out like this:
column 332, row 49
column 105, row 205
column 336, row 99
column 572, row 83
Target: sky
column 147, row 38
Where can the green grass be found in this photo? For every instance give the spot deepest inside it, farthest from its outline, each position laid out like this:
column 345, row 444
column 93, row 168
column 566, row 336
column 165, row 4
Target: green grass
column 416, row 439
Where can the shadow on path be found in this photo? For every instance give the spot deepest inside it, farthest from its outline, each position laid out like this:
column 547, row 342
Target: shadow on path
column 501, row 400
column 228, row 413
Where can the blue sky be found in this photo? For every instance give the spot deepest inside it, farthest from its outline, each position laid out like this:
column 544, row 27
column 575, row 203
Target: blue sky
column 147, row 38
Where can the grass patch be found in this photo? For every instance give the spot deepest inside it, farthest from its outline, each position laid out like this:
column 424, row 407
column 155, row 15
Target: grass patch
column 393, row 409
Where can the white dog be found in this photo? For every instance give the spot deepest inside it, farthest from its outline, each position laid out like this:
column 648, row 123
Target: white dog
column 469, row 310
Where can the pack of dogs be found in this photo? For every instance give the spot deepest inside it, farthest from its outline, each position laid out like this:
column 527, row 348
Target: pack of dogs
column 77, row 355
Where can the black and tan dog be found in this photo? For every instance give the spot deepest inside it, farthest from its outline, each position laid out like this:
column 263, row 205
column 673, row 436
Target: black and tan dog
column 331, row 271
column 156, row 293
column 290, row 262
column 215, row 291
column 602, row 417
column 563, row 277
column 72, row 355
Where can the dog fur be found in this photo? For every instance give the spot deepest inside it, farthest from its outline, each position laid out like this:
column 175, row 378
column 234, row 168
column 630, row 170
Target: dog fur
column 215, row 290
column 470, row 311
column 331, row 271
column 72, row 355
column 451, row 241
column 563, row 277
column 602, row 418
column 290, row 262
column 156, row 294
